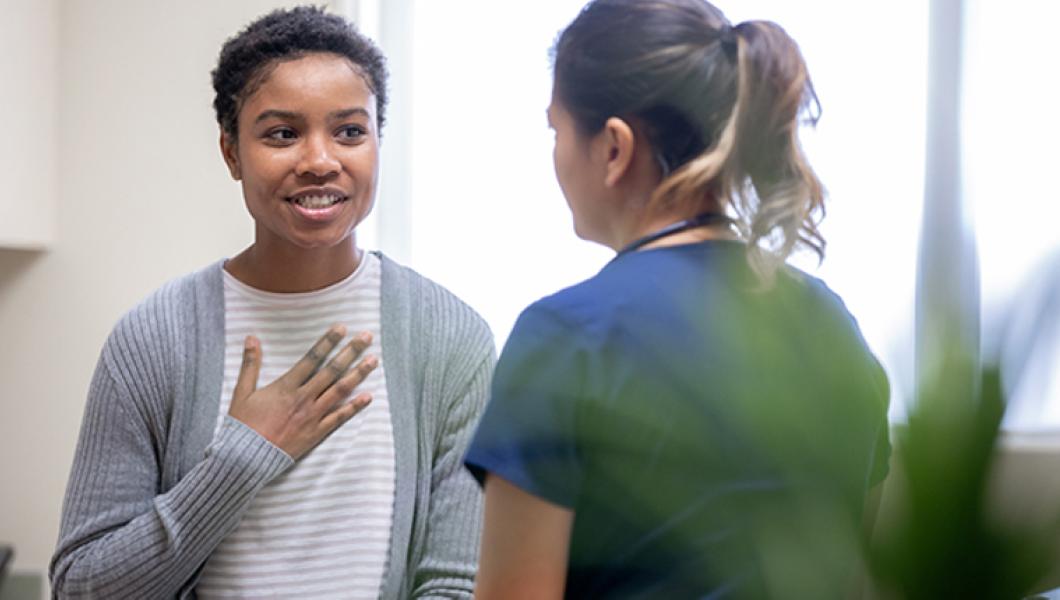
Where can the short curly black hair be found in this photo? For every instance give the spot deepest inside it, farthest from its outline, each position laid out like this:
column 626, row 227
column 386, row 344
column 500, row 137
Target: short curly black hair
column 287, row 34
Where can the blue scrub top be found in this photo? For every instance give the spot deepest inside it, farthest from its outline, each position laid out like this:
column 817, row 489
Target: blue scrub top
column 693, row 421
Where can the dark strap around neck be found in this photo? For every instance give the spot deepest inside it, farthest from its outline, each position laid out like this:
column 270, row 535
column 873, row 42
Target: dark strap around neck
column 700, row 220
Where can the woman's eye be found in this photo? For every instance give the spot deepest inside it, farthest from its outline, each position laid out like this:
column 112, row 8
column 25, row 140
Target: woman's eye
column 351, row 132
column 281, row 135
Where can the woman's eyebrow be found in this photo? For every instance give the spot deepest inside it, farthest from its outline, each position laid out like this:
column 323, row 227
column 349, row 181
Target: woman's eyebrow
column 271, row 113
column 348, row 112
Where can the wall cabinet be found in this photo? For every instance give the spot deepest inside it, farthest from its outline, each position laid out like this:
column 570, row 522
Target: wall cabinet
column 29, row 89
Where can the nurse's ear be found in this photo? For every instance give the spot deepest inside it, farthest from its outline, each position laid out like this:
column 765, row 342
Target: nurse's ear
column 230, row 152
column 619, row 144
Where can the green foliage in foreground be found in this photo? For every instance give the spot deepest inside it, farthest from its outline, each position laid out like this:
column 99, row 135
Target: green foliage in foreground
column 945, row 541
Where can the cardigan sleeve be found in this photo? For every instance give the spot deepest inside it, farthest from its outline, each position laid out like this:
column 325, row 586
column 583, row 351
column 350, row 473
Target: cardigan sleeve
column 120, row 535
column 449, row 563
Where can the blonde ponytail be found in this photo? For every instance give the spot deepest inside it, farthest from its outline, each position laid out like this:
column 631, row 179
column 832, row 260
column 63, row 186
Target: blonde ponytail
column 757, row 166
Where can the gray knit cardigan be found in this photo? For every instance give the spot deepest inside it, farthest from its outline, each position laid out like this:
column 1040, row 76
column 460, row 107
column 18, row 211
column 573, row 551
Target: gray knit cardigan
column 151, row 494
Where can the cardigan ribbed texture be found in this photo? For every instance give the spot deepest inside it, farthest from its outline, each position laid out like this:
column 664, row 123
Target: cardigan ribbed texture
column 151, row 493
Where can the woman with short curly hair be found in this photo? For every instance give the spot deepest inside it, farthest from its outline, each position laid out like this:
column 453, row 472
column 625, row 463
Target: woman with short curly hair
column 227, row 450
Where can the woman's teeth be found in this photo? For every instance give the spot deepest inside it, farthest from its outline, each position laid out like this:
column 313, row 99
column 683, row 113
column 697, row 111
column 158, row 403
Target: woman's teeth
column 317, row 201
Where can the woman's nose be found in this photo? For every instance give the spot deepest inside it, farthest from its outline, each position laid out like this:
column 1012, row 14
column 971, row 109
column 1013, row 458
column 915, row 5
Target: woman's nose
column 317, row 158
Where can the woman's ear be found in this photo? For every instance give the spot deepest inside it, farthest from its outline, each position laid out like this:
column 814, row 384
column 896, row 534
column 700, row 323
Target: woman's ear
column 620, row 142
column 230, row 152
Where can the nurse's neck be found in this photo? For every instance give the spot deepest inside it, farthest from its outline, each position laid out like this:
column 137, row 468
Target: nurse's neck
column 286, row 269
column 638, row 221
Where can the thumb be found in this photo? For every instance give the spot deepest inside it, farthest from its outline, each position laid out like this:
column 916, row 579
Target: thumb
column 247, row 381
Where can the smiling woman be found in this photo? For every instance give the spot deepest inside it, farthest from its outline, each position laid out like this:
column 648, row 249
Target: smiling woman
column 307, row 154
column 342, row 476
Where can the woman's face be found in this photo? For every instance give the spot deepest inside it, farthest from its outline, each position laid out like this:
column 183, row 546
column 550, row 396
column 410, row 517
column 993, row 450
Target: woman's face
column 577, row 175
column 307, row 153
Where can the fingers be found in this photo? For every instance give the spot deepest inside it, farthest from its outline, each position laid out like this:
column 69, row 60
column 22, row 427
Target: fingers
column 342, row 389
column 345, row 412
column 247, row 380
column 338, row 365
column 308, row 364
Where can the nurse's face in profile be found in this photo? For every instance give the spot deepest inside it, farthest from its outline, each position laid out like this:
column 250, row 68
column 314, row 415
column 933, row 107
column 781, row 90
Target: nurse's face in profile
column 307, row 153
column 578, row 174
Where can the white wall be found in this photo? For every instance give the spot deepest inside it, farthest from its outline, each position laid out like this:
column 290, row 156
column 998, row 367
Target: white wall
column 142, row 196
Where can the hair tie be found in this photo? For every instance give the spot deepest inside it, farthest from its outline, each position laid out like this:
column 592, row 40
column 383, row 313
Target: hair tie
column 729, row 39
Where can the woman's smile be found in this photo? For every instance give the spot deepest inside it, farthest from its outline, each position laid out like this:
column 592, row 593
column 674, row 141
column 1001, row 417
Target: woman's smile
column 318, row 205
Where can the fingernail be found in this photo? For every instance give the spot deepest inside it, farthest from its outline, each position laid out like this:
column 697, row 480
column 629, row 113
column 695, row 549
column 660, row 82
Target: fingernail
column 366, row 338
column 371, row 361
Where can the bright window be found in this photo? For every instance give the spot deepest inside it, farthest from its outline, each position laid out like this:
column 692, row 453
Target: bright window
column 1010, row 133
column 488, row 216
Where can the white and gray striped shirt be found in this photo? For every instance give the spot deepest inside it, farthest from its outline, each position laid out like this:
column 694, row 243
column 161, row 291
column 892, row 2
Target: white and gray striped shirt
column 321, row 529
